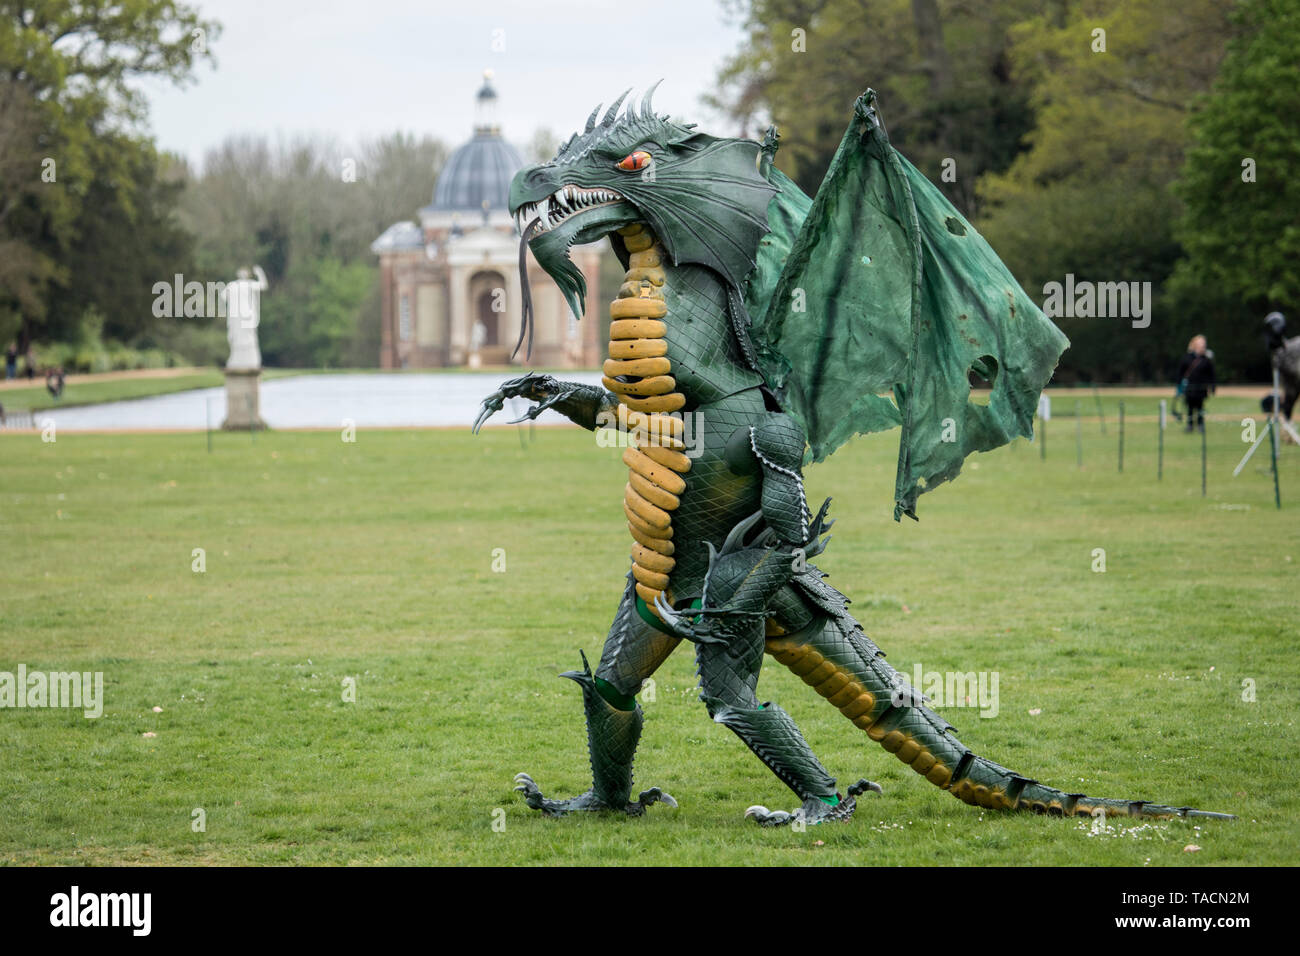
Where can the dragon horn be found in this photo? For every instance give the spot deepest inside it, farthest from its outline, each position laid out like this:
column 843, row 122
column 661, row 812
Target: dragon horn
column 738, row 533
column 591, row 120
column 647, row 111
column 612, row 113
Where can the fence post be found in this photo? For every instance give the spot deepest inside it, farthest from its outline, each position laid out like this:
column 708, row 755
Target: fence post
column 1044, row 416
column 1273, row 440
column 1160, row 442
column 1078, row 434
column 1202, row 462
column 1121, row 435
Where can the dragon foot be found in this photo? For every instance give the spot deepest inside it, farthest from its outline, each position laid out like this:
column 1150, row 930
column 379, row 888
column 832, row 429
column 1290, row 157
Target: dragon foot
column 813, row 811
column 586, row 802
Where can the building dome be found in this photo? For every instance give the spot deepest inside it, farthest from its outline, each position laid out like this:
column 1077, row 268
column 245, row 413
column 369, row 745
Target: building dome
column 477, row 175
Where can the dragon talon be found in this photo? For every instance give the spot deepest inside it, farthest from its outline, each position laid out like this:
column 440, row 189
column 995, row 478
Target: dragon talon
column 768, row 818
column 863, row 786
column 648, row 797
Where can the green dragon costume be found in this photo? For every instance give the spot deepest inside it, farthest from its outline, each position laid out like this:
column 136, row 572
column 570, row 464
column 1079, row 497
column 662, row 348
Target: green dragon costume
column 776, row 325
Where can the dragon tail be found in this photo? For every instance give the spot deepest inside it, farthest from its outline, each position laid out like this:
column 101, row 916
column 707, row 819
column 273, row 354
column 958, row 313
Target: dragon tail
column 835, row 658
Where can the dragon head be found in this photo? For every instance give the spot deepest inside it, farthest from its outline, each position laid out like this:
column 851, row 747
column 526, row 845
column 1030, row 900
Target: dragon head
column 704, row 198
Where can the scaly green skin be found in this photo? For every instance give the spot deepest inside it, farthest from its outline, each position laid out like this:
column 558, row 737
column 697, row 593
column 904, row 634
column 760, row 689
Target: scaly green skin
column 743, row 532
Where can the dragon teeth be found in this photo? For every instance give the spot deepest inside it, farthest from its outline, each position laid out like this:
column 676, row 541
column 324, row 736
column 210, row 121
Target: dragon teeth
column 567, row 200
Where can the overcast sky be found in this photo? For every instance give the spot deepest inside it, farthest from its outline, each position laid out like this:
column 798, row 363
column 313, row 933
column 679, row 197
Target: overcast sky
column 360, row 69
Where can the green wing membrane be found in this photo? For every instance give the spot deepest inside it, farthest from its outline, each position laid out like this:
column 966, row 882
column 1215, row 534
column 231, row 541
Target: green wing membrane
column 887, row 289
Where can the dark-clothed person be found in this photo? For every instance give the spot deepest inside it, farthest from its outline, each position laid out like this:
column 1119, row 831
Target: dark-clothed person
column 1196, row 379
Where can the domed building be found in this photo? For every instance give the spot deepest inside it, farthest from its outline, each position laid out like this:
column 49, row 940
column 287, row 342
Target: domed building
column 450, row 283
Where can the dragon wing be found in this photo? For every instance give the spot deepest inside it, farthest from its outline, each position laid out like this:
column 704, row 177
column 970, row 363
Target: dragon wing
column 886, row 288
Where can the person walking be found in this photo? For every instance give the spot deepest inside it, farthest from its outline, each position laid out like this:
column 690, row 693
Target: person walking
column 11, row 361
column 1196, row 381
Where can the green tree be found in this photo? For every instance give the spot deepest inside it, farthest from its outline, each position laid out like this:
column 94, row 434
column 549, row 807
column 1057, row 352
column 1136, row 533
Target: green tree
column 67, row 68
column 1241, row 227
column 24, row 270
column 946, row 91
column 127, row 238
column 312, row 318
column 1112, row 87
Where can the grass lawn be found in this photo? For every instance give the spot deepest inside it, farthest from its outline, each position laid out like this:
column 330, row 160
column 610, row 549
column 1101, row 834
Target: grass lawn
column 374, row 561
column 38, row 397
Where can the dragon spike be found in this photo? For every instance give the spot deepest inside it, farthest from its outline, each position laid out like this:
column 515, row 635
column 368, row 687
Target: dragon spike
column 591, row 120
column 647, row 110
column 737, row 534
column 708, row 574
column 612, row 113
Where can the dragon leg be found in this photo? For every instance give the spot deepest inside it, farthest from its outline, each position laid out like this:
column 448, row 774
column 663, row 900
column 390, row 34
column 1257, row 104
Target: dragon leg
column 729, row 637
column 632, row 652
column 728, row 676
column 833, row 656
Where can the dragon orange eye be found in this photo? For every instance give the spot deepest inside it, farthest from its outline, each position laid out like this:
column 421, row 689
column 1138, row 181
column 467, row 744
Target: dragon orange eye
column 637, row 160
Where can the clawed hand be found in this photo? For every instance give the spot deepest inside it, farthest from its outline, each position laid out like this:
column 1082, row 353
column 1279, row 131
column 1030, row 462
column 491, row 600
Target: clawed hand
column 533, row 386
column 695, row 631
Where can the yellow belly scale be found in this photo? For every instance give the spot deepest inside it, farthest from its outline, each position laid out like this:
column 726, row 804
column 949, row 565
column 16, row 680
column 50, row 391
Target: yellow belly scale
column 639, row 372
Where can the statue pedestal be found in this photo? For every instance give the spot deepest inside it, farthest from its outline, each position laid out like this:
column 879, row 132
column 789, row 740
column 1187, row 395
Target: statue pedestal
column 475, row 360
column 243, row 404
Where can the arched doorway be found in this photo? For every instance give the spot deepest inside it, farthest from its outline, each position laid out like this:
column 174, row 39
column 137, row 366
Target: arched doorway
column 487, row 300
column 483, row 313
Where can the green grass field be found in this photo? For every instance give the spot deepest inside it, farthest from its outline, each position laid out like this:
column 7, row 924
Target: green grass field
column 38, row 398
column 327, row 560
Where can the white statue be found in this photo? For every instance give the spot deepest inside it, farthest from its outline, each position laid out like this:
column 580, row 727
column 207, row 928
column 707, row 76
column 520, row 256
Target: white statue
column 243, row 312
column 477, row 339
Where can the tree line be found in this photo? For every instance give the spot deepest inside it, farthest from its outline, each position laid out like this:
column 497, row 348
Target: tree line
column 1093, row 143
column 93, row 216
column 1108, row 141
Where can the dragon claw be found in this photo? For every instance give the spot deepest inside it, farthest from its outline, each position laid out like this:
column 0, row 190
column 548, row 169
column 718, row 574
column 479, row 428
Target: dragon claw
column 862, row 786
column 672, row 617
column 648, row 797
column 533, row 386
column 813, row 811
column 587, row 801
column 491, row 405
column 768, row 818
column 676, row 621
